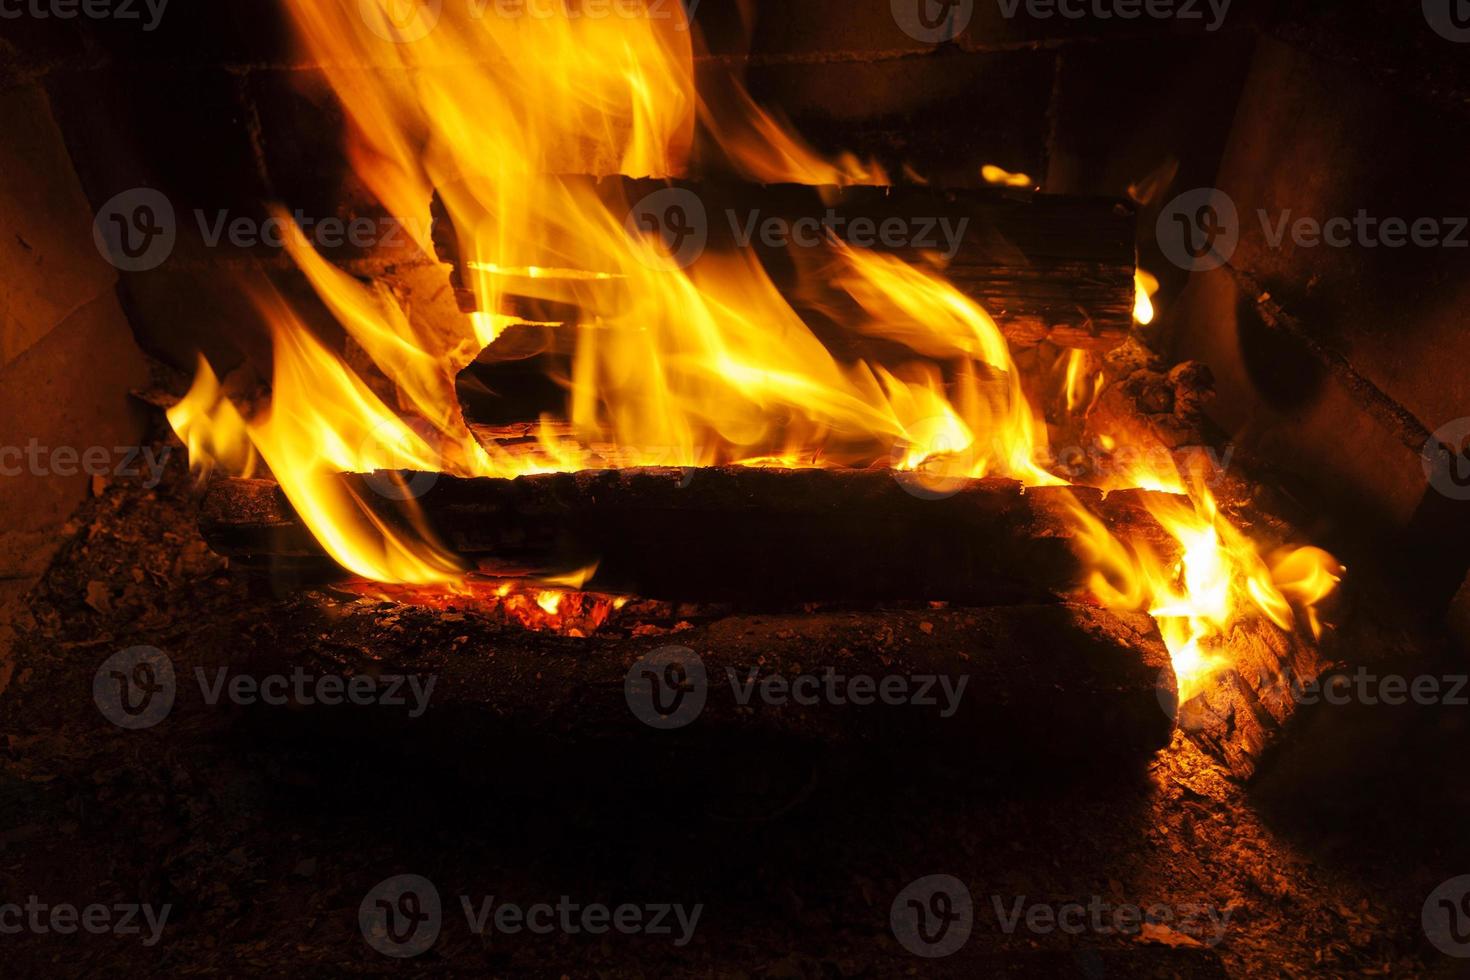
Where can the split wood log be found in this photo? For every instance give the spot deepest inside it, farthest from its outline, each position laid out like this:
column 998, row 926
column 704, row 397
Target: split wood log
column 738, row 534
column 1046, row 267
column 1244, row 708
column 1011, row 688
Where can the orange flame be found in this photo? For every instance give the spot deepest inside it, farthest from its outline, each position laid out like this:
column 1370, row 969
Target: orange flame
column 672, row 366
column 1144, row 287
column 1219, row 580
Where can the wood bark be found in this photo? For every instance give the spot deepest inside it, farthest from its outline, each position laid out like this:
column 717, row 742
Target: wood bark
column 739, row 534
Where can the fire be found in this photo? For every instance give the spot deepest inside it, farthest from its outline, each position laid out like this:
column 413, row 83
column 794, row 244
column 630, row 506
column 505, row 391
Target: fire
column 674, row 366
column 211, row 428
column 1083, row 382
column 1144, row 287
column 1219, row 580
column 675, row 363
column 992, row 174
column 526, row 605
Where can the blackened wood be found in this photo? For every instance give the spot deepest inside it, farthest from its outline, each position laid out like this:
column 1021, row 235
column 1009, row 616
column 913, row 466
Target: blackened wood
column 1046, row 267
column 1030, row 687
column 740, row 534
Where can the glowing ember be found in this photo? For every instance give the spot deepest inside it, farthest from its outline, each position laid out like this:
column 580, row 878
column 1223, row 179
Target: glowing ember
column 526, row 605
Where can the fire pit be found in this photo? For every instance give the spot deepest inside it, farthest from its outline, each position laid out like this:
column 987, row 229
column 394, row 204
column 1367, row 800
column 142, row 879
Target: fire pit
column 551, row 423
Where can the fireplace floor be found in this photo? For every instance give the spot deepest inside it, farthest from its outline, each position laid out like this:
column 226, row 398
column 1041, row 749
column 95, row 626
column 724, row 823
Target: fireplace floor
column 264, row 828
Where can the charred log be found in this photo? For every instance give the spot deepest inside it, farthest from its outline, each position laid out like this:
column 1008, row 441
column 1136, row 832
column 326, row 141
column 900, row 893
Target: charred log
column 1016, row 689
column 736, row 533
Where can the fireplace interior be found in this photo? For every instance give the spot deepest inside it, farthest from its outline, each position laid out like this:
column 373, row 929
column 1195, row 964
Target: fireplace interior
column 904, row 489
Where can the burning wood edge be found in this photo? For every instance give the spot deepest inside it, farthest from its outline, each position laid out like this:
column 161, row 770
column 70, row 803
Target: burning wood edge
column 1045, row 267
column 1008, row 688
column 1243, row 712
column 1244, row 709
column 749, row 535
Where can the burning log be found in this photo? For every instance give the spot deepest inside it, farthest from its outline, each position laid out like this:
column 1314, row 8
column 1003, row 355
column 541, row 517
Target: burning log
column 1243, row 711
column 736, row 533
column 1045, row 267
column 1015, row 688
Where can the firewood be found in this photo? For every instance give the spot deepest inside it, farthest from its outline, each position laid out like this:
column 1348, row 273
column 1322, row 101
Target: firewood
column 737, row 533
column 1243, row 711
column 1011, row 688
column 1046, row 267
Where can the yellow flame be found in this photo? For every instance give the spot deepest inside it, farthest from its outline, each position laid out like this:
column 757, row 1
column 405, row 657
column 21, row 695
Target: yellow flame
column 1083, row 381
column 672, row 365
column 1218, row 581
column 998, row 175
column 211, row 428
column 1144, row 287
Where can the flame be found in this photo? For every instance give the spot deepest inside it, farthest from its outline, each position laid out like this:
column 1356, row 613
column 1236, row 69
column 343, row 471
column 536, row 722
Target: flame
column 673, row 366
column 1144, row 287
column 567, row 612
column 674, row 363
column 992, row 174
column 1218, row 581
column 1083, row 381
column 211, row 427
